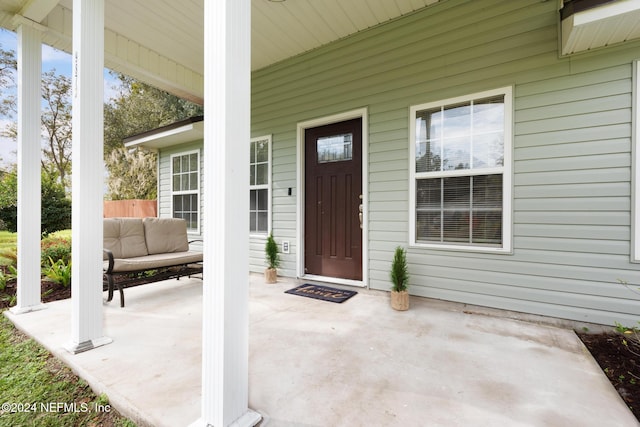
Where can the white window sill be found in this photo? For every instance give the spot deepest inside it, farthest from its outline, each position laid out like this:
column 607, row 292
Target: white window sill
column 462, row 248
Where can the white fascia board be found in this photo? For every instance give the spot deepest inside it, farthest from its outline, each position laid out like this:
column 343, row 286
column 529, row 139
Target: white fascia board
column 581, row 25
column 606, row 11
column 186, row 133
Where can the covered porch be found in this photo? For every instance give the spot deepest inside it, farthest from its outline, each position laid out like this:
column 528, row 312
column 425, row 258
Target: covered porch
column 315, row 363
column 307, row 363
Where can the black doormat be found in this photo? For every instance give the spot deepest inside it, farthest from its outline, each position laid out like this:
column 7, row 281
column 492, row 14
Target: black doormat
column 323, row 293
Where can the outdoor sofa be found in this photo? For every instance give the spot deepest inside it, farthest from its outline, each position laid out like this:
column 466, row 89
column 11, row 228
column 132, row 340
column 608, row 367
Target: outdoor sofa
column 157, row 247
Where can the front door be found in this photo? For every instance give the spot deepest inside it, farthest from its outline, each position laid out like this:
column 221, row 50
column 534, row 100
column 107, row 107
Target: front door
column 333, row 190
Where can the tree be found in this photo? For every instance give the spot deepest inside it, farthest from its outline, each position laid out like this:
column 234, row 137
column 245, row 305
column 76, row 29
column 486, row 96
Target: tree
column 56, row 123
column 8, row 67
column 132, row 174
column 137, row 108
column 140, row 107
column 56, row 206
column 9, row 199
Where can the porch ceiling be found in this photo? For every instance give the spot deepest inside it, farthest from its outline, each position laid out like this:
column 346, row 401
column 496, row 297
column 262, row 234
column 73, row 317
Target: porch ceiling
column 161, row 41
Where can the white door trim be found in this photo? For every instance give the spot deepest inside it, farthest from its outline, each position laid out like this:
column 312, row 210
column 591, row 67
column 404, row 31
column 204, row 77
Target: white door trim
column 363, row 114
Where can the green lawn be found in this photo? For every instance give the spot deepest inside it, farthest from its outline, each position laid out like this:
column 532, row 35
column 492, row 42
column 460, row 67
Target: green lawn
column 7, row 246
column 36, row 389
column 7, row 240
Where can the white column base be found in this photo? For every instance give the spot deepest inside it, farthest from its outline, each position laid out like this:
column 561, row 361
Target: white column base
column 248, row 419
column 74, row 348
column 27, row 309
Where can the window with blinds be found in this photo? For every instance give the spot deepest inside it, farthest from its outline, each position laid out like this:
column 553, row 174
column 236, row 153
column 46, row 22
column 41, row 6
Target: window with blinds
column 460, row 179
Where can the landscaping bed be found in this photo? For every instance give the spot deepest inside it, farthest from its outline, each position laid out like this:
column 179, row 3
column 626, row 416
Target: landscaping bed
column 619, row 362
column 50, row 292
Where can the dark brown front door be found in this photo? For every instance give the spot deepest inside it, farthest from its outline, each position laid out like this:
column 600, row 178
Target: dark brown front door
column 333, row 185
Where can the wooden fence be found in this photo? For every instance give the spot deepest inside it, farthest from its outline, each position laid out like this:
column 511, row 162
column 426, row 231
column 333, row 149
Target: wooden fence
column 130, row 208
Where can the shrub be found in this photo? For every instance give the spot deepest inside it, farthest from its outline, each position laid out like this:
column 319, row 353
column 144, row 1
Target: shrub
column 55, row 249
column 56, row 207
column 11, row 274
column 399, row 270
column 9, row 217
column 271, row 252
column 9, row 257
column 59, row 272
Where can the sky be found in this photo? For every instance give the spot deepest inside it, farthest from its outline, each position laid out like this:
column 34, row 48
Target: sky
column 51, row 59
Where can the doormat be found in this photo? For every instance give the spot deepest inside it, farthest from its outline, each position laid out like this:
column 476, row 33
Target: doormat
column 323, row 293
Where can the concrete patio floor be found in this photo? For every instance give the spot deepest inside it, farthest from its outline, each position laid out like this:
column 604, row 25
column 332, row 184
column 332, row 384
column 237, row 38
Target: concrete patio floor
column 359, row 363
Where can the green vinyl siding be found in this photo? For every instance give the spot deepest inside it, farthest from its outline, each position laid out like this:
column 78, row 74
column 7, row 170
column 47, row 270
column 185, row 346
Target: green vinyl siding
column 571, row 156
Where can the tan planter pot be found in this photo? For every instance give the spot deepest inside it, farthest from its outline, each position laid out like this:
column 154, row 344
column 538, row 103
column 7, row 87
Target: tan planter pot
column 270, row 275
column 400, row 300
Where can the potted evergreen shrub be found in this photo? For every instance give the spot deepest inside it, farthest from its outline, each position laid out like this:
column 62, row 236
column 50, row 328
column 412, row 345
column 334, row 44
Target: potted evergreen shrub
column 273, row 260
column 400, row 280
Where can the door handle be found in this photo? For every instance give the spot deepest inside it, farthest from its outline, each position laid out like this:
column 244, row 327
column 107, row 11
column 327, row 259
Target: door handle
column 360, row 208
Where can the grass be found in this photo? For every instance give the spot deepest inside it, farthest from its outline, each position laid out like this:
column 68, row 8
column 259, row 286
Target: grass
column 7, row 246
column 36, row 389
column 7, row 240
column 63, row 234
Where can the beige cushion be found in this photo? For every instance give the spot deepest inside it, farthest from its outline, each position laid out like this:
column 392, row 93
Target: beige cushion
column 124, row 237
column 151, row 262
column 165, row 235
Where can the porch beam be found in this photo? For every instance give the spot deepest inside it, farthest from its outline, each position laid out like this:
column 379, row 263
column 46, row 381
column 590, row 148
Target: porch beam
column 29, row 152
column 87, row 176
column 225, row 331
column 37, row 10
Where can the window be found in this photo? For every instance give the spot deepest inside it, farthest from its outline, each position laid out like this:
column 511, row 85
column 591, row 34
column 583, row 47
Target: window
column 461, row 172
column 334, row 148
column 260, row 186
column 185, row 188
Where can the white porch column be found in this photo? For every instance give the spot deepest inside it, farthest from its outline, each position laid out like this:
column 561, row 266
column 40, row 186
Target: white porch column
column 225, row 339
column 87, row 175
column 29, row 151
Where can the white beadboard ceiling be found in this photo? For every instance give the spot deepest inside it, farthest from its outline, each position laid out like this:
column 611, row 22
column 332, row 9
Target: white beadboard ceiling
column 284, row 29
column 161, row 41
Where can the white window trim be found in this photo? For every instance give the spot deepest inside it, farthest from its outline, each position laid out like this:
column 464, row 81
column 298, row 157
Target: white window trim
column 507, row 171
column 198, row 191
column 361, row 113
column 263, row 186
column 635, row 183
